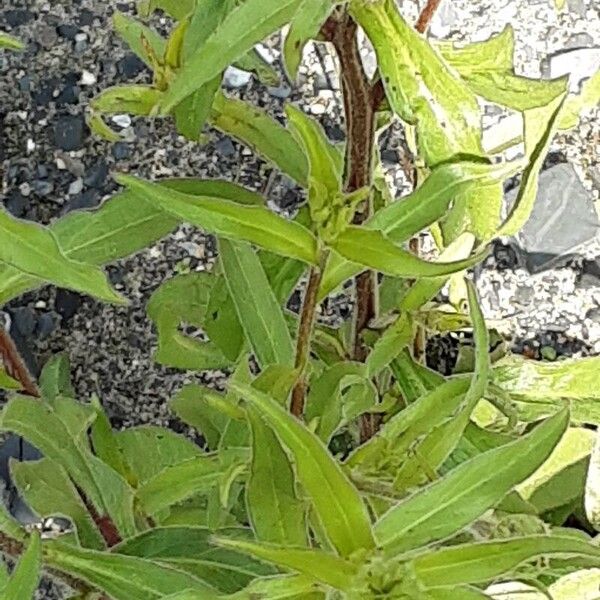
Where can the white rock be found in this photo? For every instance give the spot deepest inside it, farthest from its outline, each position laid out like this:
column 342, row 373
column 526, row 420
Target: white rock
column 30, row 146
column 76, row 187
column 87, row 78
column 236, row 78
column 444, row 19
column 318, row 109
column 122, row 121
column 578, row 64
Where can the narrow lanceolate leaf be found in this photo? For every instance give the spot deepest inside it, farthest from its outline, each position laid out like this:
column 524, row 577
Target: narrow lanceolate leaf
column 421, row 89
column 458, row 593
column 276, row 513
column 488, row 69
column 246, row 25
column 259, row 312
column 263, row 134
column 124, row 577
column 439, row 442
column 55, row 379
column 24, row 580
column 7, row 382
column 10, row 42
column 134, row 99
column 336, row 502
column 485, row 561
column 178, row 483
column 372, row 249
column 282, row 587
column 449, row 504
column 184, row 299
column 390, row 344
column 141, row 39
column 305, row 25
column 33, row 250
column 48, row 491
column 539, row 130
column 228, row 219
column 587, row 98
column 323, row 158
column 191, row 549
column 540, row 387
column 326, row 568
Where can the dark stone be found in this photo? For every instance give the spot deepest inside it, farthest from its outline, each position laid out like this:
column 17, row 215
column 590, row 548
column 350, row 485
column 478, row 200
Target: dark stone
column 24, row 319
column 67, row 303
column 389, row 156
column 43, row 187
column 96, row 174
column 505, row 257
column 46, row 92
column 563, row 218
column 130, row 66
column 225, row 147
column 15, row 204
column 25, row 83
column 69, row 94
column 116, row 274
column 86, row 17
column 589, row 276
column 70, row 132
column 46, row 324
column 120, row 151
column 335, row 133
column 86, row 199
column 17, row 17
column 67, row 31
column 593, row 314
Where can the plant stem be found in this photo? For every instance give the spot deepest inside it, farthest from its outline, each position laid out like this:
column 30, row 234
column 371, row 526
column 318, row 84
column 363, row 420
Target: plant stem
column 360, row 100
column 305, row 328
column 426, row 15
column 14, row 365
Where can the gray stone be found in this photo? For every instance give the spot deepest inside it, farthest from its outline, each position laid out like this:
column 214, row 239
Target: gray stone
column 579, row 64
column 444, row 19
column 562, row 219
column 236, row 78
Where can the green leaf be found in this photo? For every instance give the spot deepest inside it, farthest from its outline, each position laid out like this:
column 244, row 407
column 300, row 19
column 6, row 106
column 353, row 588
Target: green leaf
column 191, row 549
column 574, row 106
column 327, row 397
column 243, row 27
column 394, row 339
column 322, row 566
column 178, row 483
column 7, row 382
column 439, row 442
column 420, row 87
column 184, row 299
column 55, row 379
column 121, row 226
column 133, row 32
column 192, row 406
column 265, row 72
column 10, row 42
column 488, row 69
column 33, row 250
column 458, row 593
column 148, row 450
column 276, row 513
column 282, row 587
column 254, row 224
column 467, row 491
column 259, row 312
column 192, row 112
column 539, row 388
column 305, row 24
column 324, row 162
column 123, row 577
column 59, row 431
column 336, row 502
column 486, row 561
column 539, row 129
column 9, row 525
column 392, row 442
column 134, row 99
column 48, row 491
column 372, row 249
column 263, row 134
column 26, row 576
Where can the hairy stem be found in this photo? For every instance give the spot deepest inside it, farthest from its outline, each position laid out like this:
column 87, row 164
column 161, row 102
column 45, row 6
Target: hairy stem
column 426, row 15
column 360, row 101
column 305, row 328
column 14, row 364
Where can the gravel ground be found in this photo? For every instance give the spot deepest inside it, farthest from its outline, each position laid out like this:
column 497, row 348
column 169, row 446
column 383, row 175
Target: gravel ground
column 50, row 164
